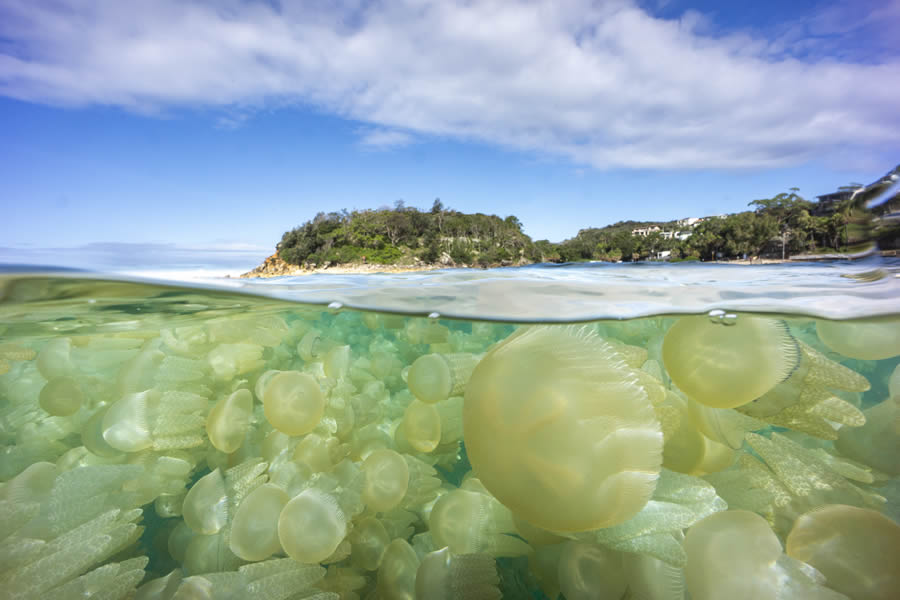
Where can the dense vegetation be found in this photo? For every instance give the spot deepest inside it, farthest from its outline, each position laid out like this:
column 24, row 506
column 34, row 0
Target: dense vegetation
column 784, row 225
column 406, row 235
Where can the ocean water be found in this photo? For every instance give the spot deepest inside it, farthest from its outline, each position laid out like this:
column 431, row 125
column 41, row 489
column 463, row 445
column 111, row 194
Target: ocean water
column 580, row 431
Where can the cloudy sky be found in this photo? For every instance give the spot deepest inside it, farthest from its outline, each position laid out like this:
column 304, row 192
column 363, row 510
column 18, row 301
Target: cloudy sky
column 219, row 125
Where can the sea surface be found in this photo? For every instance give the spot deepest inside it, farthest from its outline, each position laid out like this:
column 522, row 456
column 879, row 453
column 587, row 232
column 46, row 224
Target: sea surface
column 583, row 430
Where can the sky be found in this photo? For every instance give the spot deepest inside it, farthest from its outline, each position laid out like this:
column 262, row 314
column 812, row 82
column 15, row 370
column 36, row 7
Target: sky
column 167, row 132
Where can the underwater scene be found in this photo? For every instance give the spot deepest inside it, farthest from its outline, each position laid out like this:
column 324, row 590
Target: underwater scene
column 535, row 434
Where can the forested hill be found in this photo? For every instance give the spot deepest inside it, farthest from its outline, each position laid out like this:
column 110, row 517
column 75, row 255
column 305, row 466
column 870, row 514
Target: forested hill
column 406, row 235
column 784, row 225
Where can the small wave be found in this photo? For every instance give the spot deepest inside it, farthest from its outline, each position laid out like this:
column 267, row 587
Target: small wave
column 565, row 293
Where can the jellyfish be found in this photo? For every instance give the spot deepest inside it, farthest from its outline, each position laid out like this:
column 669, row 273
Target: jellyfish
column 387, row 479
column 311, row 526
column 560, row 431
column 254, row 531
column 206, row 504
column 443, row 575
column 726, row 365
column 228, row 421
column 396, row 578
column 421, row 426
column 877, row 443
column 469, row 522
column 856, row 549
column 293, row 402
column 652, row 579
column 369, row 540
column 866, row 339
column 734, row 554
column 435, row 377
column 61, row 396
column 743, row 571
column 589, row 571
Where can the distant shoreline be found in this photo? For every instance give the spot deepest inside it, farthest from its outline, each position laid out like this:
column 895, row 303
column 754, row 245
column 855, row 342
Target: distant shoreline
column 285, row 270
column 275, row 267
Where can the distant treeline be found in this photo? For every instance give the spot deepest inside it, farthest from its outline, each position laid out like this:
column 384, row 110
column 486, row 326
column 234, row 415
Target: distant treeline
column 786, row 223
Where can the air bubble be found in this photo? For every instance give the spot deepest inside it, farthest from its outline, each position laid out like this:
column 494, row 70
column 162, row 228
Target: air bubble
column 335, row 307
column 716, row 315
column 729, row 319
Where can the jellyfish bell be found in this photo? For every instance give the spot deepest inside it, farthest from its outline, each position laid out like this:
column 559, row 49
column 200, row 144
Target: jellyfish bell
column 856, row 549
column 434, row 377
column 254, row 532
column 61, row 396
column 229, row 419
column 311, row 526
column 293, row 402
column 724, row 366
column 560, row 432
column 867, row 339
column 729, row 555
column 386, row 479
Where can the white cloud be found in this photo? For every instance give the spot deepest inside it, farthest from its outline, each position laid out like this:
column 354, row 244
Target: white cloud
column 383, row 139
column 602, row 84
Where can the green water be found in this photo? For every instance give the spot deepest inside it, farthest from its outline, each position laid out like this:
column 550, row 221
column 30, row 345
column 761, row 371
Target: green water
column 242, row 446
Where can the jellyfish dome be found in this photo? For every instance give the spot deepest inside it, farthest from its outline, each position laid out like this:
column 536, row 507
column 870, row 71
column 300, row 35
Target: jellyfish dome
column 559, row 430
column 724, row 365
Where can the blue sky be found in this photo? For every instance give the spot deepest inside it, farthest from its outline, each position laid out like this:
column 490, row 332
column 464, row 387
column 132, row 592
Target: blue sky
column 150, row 132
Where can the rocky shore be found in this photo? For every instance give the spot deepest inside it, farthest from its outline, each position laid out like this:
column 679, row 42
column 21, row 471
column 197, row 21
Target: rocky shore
column 273, row 266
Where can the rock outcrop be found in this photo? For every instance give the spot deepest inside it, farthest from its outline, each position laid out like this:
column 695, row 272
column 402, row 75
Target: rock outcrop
column 273, row 267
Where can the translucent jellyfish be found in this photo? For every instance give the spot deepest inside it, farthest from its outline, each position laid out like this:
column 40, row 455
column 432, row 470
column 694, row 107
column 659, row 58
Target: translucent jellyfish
column 588, row 571
column 369, row 540
column 743, row 571
column 723, row 425
column 687, row 450
column 293, row 402
column 126, row 424
column 262, row 381
column 560, row 431
column 435, row 377
column 317, row 452
column 862, row 339
column 154, row 419
column 387, row 479
column 337, row 362
column 206, row 504
column 311, row 526
column 446, row 576
column 61, row 396
column 396, row 578
column 856, row 549
column 254, row 531
column 421, row 426
column 652, row 579
column 724, row 366
column 55, row 358
column 230, row 360
column 229, row 420
column 313, row 347
column 877, row 443
column 470, row 523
